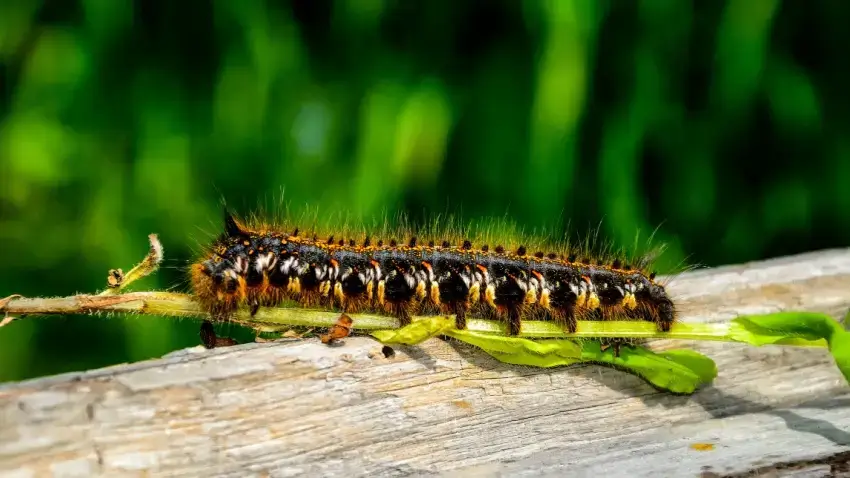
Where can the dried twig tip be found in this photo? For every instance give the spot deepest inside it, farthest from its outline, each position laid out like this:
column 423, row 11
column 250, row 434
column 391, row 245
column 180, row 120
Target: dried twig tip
column 117, row 280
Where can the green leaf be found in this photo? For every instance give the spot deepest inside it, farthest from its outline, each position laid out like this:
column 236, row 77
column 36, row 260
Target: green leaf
column 839, row 345
column 786, row 328
column 679, row 371
column 416, row 332
column 698, row 363
column 770, row 328
column 519, row 351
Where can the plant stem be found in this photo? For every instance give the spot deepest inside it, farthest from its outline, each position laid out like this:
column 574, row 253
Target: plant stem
column 171, row 304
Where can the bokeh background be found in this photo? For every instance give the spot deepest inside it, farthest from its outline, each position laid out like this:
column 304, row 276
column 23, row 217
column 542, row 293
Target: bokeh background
column 724, row 124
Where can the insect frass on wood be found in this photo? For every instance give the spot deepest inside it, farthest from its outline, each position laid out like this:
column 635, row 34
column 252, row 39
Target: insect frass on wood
column 402, row 274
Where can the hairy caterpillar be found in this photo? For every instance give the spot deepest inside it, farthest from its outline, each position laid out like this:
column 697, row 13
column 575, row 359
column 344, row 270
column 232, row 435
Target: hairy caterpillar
column 262, row 265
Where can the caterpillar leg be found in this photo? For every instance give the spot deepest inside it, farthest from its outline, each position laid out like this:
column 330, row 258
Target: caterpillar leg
column 615, row 344
column 210, row 340
column 514, row 320
column 565, row 318
column 402, row 313
column 460, row 315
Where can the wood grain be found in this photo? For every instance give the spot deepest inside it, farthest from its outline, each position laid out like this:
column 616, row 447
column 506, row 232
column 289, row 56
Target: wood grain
column 302, row 408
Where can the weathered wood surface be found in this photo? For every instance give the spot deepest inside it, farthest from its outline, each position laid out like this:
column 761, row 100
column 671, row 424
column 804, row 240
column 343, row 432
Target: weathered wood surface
column 299, row 407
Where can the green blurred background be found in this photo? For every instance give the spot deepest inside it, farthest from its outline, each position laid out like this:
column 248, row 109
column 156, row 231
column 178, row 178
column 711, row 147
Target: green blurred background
column 724, row 122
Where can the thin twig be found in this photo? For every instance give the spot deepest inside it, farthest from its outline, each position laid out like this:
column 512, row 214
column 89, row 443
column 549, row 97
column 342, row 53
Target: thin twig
column 172, row 304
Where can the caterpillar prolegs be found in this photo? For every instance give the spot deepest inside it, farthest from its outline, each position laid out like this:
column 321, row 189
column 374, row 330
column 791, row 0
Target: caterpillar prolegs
column 262, row 265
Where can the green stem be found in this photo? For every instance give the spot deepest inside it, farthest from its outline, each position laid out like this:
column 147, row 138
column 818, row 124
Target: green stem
column 182, row 305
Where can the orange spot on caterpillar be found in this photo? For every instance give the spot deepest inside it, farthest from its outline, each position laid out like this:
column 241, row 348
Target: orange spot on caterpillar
column 375, row 263
column 246, row 243
column 538, row 275
column 334, row 263
column 481, row 268
column 427, row 266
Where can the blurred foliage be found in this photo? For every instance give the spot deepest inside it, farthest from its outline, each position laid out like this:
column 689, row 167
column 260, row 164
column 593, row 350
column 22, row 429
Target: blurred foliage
column 726, row 123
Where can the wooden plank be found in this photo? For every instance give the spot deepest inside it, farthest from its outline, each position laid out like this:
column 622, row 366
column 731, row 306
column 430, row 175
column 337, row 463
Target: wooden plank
column 443, row 408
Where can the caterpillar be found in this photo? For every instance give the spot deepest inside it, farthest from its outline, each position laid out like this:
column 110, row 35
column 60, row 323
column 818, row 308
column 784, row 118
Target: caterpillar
column 259, row 265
